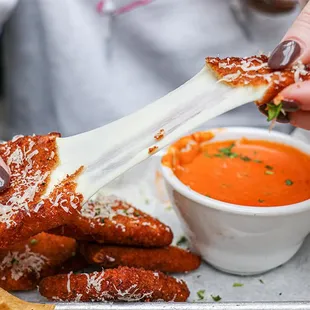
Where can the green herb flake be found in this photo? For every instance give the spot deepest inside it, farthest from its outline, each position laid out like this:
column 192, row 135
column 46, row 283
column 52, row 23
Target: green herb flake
column 208, row 196
column 102, row 220
column 136, row 213
column 261, row 200
column 97, row 211
column 269, row 167
column 33, row 241
column 289, row 182
column 207, row 155
column 261, row 281
column 147, row 201
column 245, row 158
column 257, row 161
column 269, row 172
column 233, row 155
column 168, row 208
column 125, row 212
column 273, row 111
column 227, row 150
column 236, row 284
column 201, row 294
column 13, row 261
column 216, row 298
column 182, row 241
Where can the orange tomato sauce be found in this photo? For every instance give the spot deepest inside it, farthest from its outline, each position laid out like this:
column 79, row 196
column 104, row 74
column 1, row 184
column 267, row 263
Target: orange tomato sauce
column 244, row 172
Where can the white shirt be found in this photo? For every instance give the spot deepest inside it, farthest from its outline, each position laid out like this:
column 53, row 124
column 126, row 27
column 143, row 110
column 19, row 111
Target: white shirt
column 65, row 73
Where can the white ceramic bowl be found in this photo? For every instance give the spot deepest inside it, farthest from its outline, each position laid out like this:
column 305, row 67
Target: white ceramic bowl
column 241, row 239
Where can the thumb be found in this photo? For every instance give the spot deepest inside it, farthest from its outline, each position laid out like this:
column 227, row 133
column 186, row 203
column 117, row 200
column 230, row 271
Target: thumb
column 295, row 44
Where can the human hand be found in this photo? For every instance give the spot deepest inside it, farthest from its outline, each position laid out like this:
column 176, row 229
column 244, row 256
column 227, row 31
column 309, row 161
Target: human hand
column 295, row 46
column 4, row 175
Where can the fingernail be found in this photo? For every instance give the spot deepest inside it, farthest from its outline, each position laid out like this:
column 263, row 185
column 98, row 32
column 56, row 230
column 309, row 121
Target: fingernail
column 285, row 54
column 263, row 109
column 4, row 179
column 290, row 105
column 283, row 119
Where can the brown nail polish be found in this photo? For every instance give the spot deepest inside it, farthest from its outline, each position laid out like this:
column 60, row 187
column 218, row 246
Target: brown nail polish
column 4, row 179
column 290, row 105
column 263, row 109
column 283, row 119
column 284, row 55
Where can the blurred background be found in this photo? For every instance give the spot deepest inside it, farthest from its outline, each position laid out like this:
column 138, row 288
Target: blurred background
column 74, row 65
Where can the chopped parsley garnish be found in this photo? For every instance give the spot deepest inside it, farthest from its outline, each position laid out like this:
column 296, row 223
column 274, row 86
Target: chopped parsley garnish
column 273, row 111
column 201, row 294
column 182, row 241
column 97, row 211
column 269, row 167
column 257, row 161
column 168, row 208
column 261, row 281
column 147, row 201
column 136, row 213
column 33, row 241
column 216, row 298
column 13, row 261
column 245, row 158
column 289, row 182
column 227, row 150
column 208, row 196
column 236, row 284
column 261, row 200
column 102, row 220
column 125, row 212
column 269, row 172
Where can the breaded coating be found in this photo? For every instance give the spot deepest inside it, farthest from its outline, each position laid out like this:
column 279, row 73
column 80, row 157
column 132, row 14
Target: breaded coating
column 109, row 220
column 25, row 207
column 76, row 263
column 23, row 265
column 121, row 284
column 254, row 71
column 167, row 259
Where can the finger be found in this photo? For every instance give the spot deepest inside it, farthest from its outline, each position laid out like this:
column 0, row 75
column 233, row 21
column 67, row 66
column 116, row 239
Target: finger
column 301, row 119
column 4, row 175
column 295, row 44
column 299, row 94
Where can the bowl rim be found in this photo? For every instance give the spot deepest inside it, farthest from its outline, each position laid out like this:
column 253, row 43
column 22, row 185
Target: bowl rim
column 302, row 206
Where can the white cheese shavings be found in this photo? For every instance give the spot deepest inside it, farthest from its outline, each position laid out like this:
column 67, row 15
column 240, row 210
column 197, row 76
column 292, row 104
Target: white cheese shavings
column 22, row 263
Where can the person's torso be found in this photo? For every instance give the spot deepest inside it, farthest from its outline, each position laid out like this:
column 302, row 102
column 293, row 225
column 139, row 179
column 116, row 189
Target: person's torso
column 65, row 75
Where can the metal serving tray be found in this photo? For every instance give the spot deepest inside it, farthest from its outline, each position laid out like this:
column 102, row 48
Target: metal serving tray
column 287, row 287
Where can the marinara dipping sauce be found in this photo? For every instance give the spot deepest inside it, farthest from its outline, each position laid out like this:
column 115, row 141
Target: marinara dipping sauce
column 244, row 172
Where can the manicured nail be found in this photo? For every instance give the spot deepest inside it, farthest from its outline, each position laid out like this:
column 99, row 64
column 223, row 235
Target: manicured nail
column 290, row 105
column 284, row 55
column 263, row 109
column 283, row 119
column 4, row 179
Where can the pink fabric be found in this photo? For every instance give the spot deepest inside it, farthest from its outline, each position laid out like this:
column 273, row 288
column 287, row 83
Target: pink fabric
column 124, row 9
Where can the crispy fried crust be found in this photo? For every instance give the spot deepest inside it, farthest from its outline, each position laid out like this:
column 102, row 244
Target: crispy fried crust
column 167, row 259
column 254, row 71
column 23, row 210
column 76, row 263
column 121, row 284
column 112, row 221
column 22, row 267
